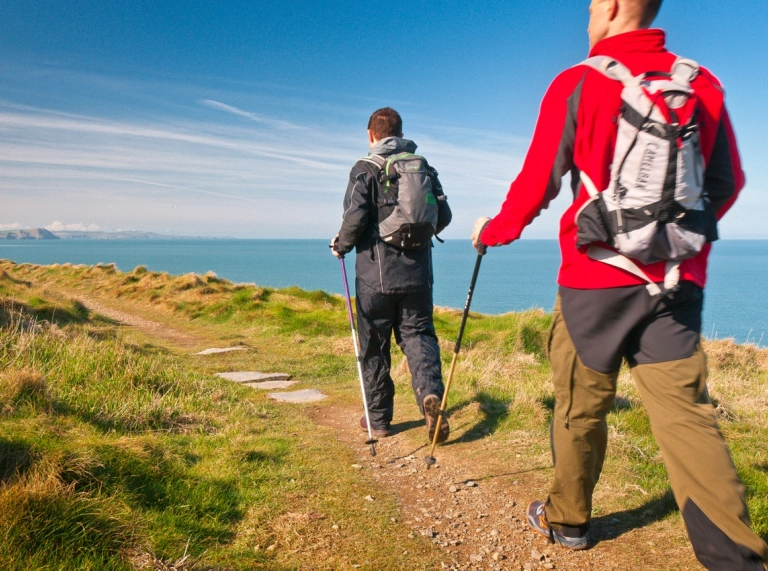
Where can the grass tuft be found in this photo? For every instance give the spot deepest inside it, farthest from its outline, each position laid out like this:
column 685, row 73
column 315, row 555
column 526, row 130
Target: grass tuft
column 50, row 525
column 20, row 389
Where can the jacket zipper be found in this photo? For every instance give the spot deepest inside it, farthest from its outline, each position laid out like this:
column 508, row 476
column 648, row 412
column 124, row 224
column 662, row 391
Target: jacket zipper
column 381, row 272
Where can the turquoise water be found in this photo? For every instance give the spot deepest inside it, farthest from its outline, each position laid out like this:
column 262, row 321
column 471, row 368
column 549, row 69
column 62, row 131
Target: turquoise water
column 513, row 278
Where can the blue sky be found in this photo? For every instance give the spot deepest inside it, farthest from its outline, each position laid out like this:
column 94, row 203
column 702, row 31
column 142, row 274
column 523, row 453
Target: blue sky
column 242, row 119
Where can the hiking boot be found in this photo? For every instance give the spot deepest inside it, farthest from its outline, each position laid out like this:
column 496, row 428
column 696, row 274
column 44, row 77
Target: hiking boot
column 431, row 412
column 537, row 519
column 376, row 432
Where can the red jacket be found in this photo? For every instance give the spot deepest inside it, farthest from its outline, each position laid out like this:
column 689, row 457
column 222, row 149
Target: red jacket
column 576, row 130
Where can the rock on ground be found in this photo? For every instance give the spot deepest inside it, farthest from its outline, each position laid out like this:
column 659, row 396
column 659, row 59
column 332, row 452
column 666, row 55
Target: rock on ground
column 306, row 395
column 253, row 376
column 214, row 350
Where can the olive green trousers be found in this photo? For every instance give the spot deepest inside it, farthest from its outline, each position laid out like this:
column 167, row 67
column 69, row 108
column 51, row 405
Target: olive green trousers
column 703, row 478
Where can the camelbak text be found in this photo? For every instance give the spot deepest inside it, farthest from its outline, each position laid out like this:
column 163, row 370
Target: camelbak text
column 646, row 165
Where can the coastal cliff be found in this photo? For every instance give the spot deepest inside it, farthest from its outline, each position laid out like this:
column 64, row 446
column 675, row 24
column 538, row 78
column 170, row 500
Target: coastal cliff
column 28, row 234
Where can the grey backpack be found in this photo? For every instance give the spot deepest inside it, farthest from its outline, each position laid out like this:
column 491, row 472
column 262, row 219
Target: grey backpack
column 654, row 208
column 406, row 200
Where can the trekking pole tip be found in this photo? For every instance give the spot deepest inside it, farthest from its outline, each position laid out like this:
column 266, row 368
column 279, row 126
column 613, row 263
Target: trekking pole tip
column 372, row 444
column 430, row 460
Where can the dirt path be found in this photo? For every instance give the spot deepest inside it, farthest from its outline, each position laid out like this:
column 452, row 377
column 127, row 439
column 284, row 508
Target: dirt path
column 152, row 328
column 473, row 511
column 477, row 516
column 477, row 524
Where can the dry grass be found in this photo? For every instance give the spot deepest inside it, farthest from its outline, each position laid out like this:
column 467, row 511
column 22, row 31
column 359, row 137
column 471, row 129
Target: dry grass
column 501, row 401
column 120, row 456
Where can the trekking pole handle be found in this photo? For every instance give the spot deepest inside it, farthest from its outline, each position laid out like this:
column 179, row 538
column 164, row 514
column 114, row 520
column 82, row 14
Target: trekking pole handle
column 468, row 302
column 340, row 256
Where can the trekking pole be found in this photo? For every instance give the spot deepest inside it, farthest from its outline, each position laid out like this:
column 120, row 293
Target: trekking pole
column 430, row 460
column 371, row 440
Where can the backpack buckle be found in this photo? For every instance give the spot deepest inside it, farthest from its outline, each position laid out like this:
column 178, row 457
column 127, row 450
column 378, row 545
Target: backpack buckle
column 664, row 292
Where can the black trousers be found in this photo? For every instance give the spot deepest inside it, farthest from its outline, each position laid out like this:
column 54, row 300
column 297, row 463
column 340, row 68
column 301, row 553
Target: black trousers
column 409, row 316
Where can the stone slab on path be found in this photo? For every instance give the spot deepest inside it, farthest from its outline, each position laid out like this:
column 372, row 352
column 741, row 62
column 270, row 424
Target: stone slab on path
column 254, row 376
column 306, row 395
column 214, row 350
column 271, row 385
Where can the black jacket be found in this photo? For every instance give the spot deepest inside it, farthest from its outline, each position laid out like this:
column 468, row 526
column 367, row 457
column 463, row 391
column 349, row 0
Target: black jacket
column 379, row 266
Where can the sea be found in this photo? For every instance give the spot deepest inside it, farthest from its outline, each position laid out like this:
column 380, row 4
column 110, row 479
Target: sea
column 513, row 278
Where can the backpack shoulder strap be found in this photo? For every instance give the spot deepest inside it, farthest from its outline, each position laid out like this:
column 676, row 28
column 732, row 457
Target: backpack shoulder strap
column 374, row 160
column 684, row 71
column 610, row 68
column 378, row 165
column 437, row 187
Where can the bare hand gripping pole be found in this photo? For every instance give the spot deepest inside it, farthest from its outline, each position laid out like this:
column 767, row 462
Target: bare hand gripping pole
column 430, row 460
column 371, row 440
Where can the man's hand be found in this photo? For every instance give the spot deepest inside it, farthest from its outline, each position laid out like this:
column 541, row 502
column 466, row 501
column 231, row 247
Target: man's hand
column 334, row 243
column 476, row 231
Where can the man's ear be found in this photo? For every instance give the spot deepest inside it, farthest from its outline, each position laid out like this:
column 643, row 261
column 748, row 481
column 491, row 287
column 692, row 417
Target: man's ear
column 612, row 7
column 371, row 138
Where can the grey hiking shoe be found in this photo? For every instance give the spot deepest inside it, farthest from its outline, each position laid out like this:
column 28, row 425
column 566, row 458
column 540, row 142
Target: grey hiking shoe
column 431, row 412
column 537, row 519
column 376, row 432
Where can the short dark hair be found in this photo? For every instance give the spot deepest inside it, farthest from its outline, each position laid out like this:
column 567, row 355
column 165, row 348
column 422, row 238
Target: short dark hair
column 385, row 122
column 652, row 8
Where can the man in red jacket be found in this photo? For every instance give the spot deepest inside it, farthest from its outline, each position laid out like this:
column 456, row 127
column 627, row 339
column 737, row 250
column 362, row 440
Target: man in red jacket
column 604, row 314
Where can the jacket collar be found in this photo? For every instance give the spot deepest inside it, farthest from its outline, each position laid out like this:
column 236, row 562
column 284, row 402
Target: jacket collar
column 393, row 145
column 652, row 40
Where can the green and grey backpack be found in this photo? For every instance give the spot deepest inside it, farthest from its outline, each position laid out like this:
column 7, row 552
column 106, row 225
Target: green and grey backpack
column 407, row 196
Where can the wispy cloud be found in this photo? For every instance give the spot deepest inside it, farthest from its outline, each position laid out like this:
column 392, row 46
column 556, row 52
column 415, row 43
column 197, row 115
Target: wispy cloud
column 188, row 189
column 248, row 115
column 57, row 226
column 42, row 120
column 183, row 168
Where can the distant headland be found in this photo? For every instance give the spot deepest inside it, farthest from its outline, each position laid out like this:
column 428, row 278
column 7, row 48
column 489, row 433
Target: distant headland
column 28, row 234
column 43, row 234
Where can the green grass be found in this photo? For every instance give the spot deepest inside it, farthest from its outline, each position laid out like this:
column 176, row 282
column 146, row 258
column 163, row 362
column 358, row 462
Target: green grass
column 109, row 450
column 177, row 462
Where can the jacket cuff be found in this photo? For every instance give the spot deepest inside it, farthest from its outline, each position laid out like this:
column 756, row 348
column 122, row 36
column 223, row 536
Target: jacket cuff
column 489, row 234
column 341, row 248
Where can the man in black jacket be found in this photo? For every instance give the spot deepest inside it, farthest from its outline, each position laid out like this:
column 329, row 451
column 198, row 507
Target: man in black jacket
column 393, row 286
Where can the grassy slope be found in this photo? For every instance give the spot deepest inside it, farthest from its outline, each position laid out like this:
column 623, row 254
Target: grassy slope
column 111, row 451
column 159, row 453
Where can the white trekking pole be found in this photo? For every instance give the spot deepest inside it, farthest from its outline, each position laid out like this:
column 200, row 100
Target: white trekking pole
column 371, row 440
